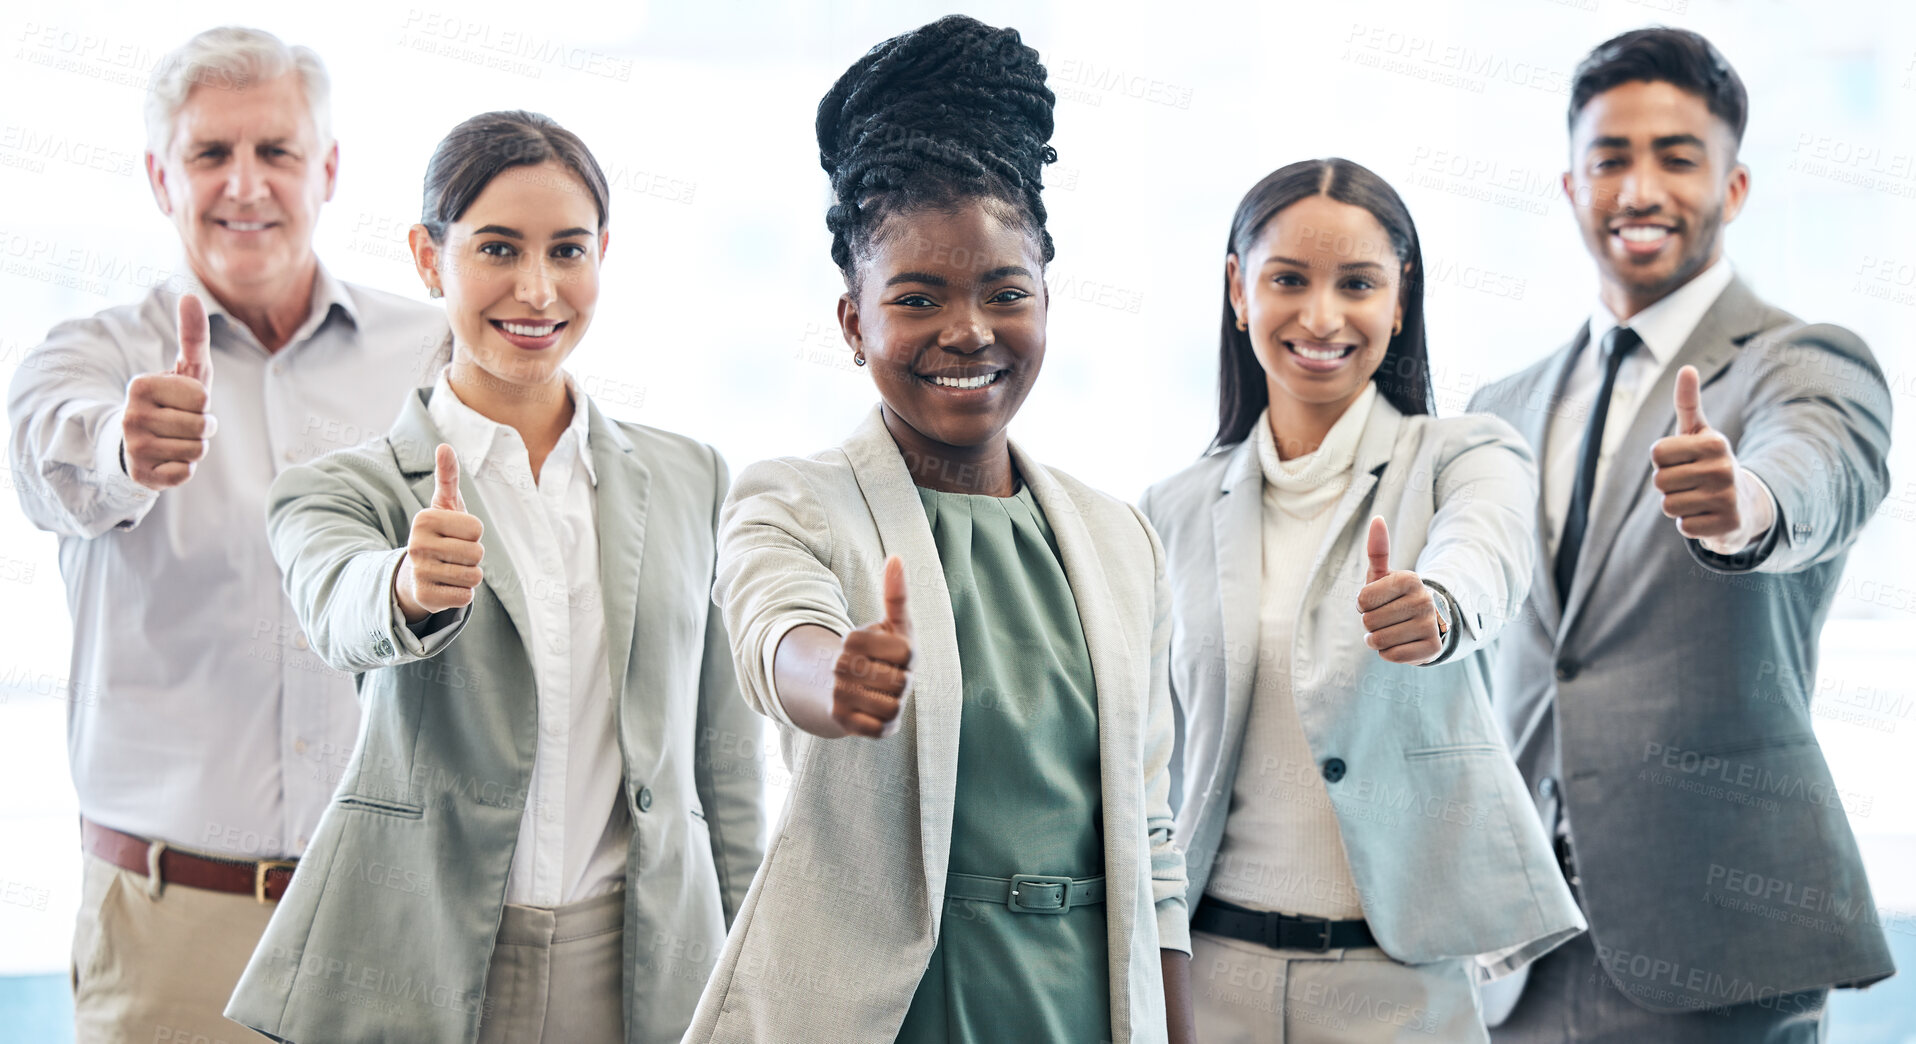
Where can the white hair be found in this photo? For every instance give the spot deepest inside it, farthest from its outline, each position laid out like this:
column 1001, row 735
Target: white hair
column 232, row 57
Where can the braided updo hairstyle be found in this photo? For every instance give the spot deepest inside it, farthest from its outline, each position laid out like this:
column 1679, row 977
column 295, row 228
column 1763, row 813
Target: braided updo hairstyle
column 950, row 111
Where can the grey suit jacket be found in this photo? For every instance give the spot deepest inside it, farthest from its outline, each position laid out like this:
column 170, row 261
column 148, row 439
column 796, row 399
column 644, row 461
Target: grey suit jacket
column 842, row 919
column 1445, row 853
column 1677, row 682
column 387, row 929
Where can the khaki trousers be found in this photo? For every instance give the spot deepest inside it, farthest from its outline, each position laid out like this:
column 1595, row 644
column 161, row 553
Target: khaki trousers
column 158, row 968
column 558, row 975
column 1251, row 994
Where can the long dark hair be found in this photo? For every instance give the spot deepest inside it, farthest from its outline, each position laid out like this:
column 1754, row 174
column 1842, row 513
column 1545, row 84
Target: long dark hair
column 1404, row 375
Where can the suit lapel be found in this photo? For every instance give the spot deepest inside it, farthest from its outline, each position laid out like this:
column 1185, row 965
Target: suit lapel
column 932, row 711
column 417, row 438
column 1374, row 448
column 1734, row 315
column 1237, row 527
column 622, row 497
column 1540, row 400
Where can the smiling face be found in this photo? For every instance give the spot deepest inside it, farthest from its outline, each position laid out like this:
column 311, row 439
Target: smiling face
column 950, row 316
column 1320, row 290
column 1653, row 180
column 520, row 270
column 243, row 180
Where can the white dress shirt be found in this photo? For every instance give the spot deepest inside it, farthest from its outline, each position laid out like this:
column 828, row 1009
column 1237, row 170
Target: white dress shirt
column 1664, row 327
column 575, row 831
column 198, row 716
column 1282, row 847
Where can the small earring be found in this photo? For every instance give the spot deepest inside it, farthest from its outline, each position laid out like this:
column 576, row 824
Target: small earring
column 859, row 358
column 1397, row 328
column 435, row 293
column 1242, row 325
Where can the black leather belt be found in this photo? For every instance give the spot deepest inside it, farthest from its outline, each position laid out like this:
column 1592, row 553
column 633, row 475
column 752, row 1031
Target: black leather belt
column 1279, row 931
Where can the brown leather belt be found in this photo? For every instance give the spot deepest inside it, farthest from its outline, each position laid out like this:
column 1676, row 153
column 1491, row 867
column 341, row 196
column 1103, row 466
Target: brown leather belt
column 263, row 879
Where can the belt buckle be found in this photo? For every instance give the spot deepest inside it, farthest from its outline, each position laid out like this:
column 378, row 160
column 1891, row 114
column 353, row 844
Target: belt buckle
column 1031, row 894
column 264, row 867
column 1318, row 926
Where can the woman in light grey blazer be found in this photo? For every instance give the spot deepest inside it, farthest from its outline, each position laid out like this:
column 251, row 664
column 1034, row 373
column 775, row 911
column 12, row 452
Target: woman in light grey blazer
column 537, row 836
column 963, row 648
column 1359, row 843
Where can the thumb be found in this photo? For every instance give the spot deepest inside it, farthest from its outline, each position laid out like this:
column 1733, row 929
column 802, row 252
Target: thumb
column 1377, row 549
column 196, row 358
column 1689, row 402
column 896, row 615
column 445, row 494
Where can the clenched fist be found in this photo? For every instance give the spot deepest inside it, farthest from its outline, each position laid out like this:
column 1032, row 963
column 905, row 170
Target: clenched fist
column 441, row 567
column 165, row 426
column 1712, row 499
column 873, row 670
column 1400, row 611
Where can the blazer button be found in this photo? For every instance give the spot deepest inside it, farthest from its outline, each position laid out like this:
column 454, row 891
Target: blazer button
column 1547, row 786
column 645, row 799
column 1334, row 769
column 1567, row 669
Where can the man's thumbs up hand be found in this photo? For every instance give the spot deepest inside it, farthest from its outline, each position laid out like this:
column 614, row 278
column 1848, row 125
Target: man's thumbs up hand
column 165, row 423
column 441, row 567
column 1712, row 499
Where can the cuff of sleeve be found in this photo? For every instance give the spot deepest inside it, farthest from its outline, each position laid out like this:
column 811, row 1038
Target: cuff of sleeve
column 109, row 470
column 427, row 636
column 1174, row 925
column 772, row 639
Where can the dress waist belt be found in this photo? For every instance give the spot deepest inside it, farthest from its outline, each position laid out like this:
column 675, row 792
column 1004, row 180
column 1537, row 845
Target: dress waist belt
column 1028, row 893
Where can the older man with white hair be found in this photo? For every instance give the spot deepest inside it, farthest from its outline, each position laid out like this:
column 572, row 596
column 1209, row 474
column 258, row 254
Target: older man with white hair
column 205, row 739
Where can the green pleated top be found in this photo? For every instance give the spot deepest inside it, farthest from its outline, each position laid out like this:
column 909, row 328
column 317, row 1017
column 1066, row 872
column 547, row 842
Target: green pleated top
column 1028, row 795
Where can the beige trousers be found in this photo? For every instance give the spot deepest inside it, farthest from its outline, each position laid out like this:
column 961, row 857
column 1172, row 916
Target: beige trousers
column 558, row 975
column 158, row 969
column 1250, row 994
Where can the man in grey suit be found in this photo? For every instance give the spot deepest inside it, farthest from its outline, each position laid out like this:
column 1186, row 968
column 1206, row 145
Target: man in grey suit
column 1707, row 461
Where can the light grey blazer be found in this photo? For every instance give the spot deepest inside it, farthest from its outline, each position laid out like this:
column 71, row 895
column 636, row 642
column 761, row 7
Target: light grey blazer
column 1678, row 682
column 387, row 929
column 841, row 921
column 1446, row 855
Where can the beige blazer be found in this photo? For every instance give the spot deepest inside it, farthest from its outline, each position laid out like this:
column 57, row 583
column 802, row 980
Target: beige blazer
column 841, row 920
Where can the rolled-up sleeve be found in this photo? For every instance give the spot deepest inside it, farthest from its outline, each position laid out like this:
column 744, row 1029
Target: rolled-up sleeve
column 773, row 574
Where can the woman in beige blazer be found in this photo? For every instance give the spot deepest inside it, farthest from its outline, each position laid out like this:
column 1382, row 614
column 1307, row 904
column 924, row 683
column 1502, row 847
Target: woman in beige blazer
column 963, row 649
column 1339, row 567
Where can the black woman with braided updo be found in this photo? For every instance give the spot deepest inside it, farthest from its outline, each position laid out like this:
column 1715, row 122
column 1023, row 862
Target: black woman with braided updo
column 964, row 650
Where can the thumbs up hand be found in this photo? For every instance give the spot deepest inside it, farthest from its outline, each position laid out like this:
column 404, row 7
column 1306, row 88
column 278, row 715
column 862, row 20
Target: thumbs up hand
column 165, row 426
column 873, row 671
column 441, row 566
column 1400, row 611
column 1711, row 498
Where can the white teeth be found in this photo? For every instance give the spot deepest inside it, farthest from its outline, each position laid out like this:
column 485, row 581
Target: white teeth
column 525, row 330
column 1642, row 233
column 965, row 382
column 1319, row 354
column 246, row 226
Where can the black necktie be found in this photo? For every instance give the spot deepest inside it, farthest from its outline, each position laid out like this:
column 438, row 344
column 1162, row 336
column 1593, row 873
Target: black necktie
column 1617, row 344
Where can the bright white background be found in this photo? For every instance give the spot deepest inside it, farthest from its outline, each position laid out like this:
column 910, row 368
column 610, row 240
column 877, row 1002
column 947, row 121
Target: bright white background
column 718, row 320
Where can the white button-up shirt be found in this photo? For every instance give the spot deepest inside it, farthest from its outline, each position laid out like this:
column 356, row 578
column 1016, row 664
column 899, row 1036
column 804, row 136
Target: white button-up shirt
column 575, row 830
column 198, row 716
column 1664, row 327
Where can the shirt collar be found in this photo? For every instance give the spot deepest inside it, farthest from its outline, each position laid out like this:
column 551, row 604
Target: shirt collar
column 328, row 292
column 1665, row 325
column 471, row 434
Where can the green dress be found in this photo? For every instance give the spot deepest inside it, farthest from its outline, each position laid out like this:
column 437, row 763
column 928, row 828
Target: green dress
column 1028, row 799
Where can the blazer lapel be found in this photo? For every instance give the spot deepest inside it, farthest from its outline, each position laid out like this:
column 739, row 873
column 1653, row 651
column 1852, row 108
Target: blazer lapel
column 417, row 438
column 1374, row 447
column 622, row 497
column 1541, row 398
column 1237, row 527
column 932, row 710
column 1735, row 315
